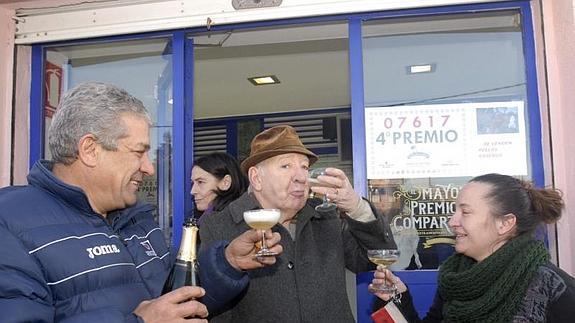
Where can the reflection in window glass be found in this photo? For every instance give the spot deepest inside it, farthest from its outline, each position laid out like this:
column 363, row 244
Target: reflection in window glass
column 445, row 100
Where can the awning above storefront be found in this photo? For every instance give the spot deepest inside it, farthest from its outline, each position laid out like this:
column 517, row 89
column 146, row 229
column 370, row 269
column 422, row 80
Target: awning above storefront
column 108, row 18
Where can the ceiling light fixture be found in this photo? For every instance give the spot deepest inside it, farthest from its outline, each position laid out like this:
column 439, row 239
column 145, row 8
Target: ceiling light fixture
column 423, row 68
column 264, row 80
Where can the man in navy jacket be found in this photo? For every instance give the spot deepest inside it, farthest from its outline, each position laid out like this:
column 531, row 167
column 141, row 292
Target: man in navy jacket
column 75, row 246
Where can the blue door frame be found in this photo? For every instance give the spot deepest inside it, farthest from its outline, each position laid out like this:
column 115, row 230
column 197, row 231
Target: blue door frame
column 183, row 108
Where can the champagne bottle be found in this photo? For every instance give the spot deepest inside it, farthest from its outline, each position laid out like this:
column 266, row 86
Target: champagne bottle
column 185, row 269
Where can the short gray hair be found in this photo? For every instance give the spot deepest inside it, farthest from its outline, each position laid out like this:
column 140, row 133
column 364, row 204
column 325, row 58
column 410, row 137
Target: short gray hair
column 91, row 108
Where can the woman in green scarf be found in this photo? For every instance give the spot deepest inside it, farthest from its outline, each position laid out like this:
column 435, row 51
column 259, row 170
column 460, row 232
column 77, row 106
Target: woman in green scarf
column 500, row 272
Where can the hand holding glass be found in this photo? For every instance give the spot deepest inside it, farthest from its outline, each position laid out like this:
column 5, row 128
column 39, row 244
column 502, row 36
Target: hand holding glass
column 326, row 206
column 262, row 219
column 384, row 257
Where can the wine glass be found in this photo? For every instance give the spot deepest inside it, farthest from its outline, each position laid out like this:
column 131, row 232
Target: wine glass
column 262, row 219
column 326, row 206
column 384, row 257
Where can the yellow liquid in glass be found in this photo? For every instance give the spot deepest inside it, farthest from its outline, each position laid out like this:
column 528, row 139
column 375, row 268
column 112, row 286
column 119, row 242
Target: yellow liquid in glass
column 261, row 225
column 383, row 261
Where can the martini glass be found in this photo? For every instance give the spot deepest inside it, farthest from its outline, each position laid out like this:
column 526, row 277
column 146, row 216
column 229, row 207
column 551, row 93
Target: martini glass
column 262, row 219
column 384, row 257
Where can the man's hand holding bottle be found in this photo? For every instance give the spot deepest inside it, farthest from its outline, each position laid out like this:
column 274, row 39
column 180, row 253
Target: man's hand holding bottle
column 174, row 306
column 182, row 302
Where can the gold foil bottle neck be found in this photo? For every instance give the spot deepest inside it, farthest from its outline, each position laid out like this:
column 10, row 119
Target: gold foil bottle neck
column 188, row 245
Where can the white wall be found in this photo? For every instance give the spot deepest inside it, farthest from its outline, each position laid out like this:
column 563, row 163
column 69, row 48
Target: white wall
column 559, row 32
column 6, row 63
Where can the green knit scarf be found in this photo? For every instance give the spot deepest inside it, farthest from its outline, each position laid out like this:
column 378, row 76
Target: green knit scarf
column 493, row 289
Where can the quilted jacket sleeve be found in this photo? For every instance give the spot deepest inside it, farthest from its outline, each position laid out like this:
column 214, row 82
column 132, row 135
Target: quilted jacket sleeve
column 221, row 281
column 24, row 295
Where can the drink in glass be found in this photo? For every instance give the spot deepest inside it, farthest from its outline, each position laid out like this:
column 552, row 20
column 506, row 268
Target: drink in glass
column 262, row 219
column 384, row 257
column 314, row 181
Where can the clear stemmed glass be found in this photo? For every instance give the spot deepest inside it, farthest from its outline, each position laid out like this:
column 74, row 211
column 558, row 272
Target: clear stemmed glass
column 326, row 206
column 262, row 219
column 384, row 257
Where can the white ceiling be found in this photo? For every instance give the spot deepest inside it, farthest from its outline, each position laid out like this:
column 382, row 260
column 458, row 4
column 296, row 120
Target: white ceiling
column 312, row 74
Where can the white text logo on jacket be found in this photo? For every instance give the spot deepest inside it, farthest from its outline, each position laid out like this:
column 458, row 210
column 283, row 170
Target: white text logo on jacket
column 102, row 250
column 149, row 249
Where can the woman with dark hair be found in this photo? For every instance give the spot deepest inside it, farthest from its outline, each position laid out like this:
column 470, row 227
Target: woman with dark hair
column 216, row 181
column 500, row 272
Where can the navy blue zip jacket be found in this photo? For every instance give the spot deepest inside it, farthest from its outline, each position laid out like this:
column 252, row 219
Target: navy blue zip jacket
column 62, row 262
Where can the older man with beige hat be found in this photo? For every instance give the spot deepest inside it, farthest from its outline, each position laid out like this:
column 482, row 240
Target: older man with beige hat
column 307, row 283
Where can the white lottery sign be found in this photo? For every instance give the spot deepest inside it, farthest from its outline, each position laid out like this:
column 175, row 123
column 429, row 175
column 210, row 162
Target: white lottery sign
column 446, row 140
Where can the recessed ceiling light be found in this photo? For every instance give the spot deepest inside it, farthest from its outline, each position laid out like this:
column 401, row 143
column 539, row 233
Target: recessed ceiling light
column 424, row 68
column 264, row 80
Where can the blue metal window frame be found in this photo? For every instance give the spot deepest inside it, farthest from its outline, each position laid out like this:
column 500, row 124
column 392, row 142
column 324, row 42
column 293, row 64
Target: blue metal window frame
column 183, row 92
column 183, row 123
column 357, row 106
column 36, row 105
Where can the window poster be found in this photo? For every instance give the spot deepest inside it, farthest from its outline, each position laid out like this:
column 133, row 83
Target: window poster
column 418, row 216
column 446, row 140
column 148, row 192
column 52, row 87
